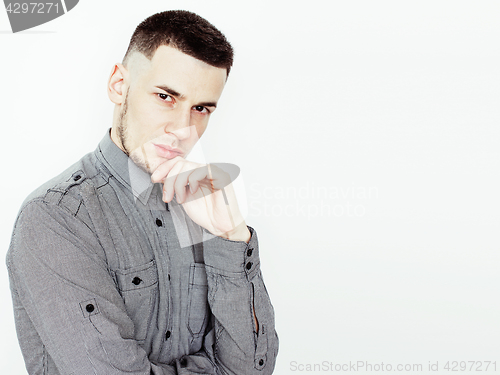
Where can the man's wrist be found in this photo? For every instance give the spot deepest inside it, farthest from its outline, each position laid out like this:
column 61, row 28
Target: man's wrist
column 232, row 257
column 240, row 233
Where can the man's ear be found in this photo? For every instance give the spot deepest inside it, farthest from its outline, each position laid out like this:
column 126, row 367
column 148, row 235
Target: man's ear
column 117, row 84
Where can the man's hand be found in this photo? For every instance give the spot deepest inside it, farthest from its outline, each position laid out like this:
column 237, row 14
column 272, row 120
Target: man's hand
column 206, row 194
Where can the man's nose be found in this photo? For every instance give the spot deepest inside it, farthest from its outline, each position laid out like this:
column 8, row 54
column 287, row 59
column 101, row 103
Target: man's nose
column 180, row 126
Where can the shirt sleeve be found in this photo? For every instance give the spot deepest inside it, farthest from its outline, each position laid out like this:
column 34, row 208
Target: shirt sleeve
column 235, row 290
column 69, row 315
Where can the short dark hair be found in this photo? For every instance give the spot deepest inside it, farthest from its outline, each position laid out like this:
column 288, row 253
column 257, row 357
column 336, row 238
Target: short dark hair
column 185, row 31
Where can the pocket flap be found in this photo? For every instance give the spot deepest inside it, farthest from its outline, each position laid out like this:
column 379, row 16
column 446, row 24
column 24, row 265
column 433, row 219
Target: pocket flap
column 138, row 277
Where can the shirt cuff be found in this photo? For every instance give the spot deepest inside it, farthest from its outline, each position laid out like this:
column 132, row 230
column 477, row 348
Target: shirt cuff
column 232, row 258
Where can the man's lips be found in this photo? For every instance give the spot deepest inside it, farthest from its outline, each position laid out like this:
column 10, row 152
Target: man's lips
column 167, row 152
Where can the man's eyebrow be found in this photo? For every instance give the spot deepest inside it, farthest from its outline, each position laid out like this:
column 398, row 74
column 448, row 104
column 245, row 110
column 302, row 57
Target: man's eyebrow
column 181, row 96
column 171, row 91
column 208, row 104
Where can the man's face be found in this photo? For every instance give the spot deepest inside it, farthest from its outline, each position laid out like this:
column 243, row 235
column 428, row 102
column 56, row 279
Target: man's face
column 167, row 105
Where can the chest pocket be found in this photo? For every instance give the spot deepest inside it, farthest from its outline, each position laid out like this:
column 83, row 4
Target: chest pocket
column 198, row 310
column 139, row 287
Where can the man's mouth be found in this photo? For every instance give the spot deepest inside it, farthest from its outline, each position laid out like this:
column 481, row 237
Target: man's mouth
column 167, row 152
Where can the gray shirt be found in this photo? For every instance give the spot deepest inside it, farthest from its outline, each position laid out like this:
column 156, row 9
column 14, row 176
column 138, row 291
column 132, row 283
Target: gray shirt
column 103, row 282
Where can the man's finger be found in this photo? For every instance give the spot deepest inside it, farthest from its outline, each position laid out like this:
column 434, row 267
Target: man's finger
column 197, row 175
column 169, row 182
column 182, row 181
column 177, row 173
column 164, row 169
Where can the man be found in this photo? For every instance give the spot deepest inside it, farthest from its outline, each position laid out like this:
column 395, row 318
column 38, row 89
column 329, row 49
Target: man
column 135, row 260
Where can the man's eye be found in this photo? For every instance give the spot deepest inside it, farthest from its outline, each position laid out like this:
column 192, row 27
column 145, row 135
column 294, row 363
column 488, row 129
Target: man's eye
column 166, row 97
column 201, row 109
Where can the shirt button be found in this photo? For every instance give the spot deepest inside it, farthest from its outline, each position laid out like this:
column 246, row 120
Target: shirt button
column 261, row 362
column 249, row 265
column 183, row 362
column 136, row 280
column 158, row 222
column 89, row 308
column 167, row 335
column 249, row 252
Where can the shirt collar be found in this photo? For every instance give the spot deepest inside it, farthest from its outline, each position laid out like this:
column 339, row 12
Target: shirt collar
column 124, row 169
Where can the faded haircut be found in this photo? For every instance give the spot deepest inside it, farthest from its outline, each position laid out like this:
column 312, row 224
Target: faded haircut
column 185, row 31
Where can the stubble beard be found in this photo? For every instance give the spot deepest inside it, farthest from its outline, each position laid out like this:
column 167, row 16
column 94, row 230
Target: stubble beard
column 123, row 136
column 121, row 130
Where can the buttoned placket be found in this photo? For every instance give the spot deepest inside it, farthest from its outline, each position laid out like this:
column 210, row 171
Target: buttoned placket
column 161, row 254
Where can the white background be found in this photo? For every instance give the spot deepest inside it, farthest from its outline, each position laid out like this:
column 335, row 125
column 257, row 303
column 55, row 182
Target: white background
column 367, row 133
